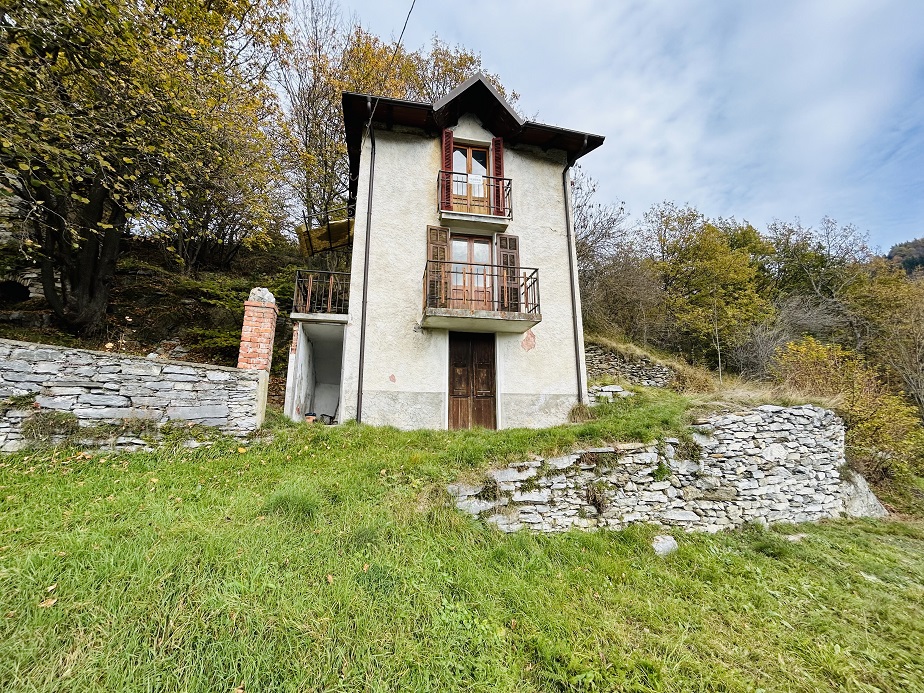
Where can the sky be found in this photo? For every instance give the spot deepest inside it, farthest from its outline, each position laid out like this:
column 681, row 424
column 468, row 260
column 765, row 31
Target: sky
column 753, row 109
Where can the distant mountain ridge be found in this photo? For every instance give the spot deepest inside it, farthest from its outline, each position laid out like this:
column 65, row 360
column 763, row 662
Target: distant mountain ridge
column 909, row 254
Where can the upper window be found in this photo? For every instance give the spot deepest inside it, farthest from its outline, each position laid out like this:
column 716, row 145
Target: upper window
column 469, row 183
column 472, row 178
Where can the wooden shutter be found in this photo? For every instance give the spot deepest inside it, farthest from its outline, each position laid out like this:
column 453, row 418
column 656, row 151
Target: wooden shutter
column 497, row 170
column 446, row 176
column 438, row 269
column 508, row 257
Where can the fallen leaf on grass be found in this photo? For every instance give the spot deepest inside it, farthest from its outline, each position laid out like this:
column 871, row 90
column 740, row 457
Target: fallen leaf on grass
column 330, row 579
column 365, row 567
column 239, row 689
column 48, row 602
column 51, row 588
column 242, row 450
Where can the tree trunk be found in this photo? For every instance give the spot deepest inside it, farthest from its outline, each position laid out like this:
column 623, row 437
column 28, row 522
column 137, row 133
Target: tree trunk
column 79, row 260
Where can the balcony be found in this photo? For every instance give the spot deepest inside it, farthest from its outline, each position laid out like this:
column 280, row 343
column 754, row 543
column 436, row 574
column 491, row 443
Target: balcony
column 480, row 298
column 466, row 197
column 321, row 296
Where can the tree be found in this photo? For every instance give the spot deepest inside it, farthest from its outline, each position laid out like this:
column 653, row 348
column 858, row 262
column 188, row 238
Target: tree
column 327, row 56
column 237, row 202
column 618, row 290
column 109, row 106
column 910, row 255
column 710, row 288
column 895, row 311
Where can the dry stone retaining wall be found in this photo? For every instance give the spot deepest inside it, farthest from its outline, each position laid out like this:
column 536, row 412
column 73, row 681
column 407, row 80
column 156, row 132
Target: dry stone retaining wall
column 771, row 464
column 642, row 371
column 100, row 387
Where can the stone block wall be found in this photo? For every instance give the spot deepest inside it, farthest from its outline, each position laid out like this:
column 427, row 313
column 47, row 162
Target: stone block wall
column 771, row 464
column 642, row 371
column 101, row 387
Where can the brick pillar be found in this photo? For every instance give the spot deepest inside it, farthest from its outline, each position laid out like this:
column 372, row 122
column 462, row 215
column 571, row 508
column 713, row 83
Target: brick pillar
column 260, row 313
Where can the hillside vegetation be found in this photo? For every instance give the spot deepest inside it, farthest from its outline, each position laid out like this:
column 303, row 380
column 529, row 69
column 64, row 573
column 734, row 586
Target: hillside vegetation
column 330, row 558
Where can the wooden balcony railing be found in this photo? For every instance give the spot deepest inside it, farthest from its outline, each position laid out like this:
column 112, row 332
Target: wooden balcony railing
column 473, row 194
column 473, row 287
column 321, row 292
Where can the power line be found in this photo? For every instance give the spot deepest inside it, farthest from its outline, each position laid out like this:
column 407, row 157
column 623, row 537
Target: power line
column 391, row 64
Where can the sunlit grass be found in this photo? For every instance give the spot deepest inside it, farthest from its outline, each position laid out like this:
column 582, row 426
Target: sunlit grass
column 331, row 559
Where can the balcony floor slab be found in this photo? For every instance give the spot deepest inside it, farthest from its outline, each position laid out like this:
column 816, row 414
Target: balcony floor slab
column 330, row 318
column 485, row 221
column 464, row 320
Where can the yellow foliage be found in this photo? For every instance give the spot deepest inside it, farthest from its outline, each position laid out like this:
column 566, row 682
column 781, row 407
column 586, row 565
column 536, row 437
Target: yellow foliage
column 884, row 432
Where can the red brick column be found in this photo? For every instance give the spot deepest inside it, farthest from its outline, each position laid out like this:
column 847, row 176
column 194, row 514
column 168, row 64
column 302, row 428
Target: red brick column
column 260, row 313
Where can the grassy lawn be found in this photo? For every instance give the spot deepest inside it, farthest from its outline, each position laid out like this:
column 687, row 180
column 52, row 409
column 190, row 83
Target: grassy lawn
column 330, row 559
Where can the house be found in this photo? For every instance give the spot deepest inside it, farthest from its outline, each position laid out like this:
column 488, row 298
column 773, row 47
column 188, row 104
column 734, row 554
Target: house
column 461, row 308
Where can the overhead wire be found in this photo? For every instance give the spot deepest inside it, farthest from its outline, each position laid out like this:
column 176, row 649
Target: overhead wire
column 391, row 64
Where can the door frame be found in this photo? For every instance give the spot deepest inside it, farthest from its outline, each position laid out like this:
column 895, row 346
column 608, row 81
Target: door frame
column 469, row 273
column 467, row 199
column 448, row 377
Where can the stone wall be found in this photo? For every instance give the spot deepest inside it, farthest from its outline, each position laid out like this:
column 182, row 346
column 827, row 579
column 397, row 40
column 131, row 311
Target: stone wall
column 101, row 387
column 641, row 371
column 770, row 464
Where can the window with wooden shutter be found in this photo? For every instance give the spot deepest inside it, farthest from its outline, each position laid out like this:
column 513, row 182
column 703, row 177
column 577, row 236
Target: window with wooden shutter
column 446, row 178
column 438, row 268
column 497, row 170
column 508, row 257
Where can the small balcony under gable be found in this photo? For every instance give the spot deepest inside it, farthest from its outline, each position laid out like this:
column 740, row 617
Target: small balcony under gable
column 480, row 298
column 467, row 197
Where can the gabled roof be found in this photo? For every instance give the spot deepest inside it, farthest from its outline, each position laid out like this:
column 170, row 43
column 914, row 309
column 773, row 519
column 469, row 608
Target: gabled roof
column 477, row 96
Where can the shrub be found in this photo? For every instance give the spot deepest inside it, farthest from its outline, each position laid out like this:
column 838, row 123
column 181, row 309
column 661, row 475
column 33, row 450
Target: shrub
column 884, row 434
column 44, row 426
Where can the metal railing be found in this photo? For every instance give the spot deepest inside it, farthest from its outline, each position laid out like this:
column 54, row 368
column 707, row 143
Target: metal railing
column 321, row 292
column 474, row 194
column 465, row 286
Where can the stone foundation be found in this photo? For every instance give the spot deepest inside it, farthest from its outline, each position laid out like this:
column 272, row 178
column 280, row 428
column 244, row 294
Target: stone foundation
column 771, row 464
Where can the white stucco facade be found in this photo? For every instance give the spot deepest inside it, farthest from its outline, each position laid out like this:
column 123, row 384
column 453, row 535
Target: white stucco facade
column 405, row 374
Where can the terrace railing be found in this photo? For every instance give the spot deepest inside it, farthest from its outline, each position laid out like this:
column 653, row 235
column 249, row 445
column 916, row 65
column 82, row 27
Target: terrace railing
column 321, row 292
column 475, row 287
column 474, row 194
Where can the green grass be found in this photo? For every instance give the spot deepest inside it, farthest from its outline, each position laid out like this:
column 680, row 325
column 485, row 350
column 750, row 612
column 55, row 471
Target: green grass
column 331, row 559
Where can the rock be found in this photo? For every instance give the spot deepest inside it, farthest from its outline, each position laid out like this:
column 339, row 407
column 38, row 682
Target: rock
column 261, row 294
column 464, row 490
column 474, row 506
column 664, row 544
column 505, row 475
column 859, row 500
column 532, row 496
column 680, row 516
column 103, row 400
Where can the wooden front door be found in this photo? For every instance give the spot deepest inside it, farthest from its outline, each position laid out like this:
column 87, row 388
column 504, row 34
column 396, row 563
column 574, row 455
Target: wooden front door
column 472, row 397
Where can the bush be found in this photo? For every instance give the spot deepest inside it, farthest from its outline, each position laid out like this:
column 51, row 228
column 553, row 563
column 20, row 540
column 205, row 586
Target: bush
column 884, row 434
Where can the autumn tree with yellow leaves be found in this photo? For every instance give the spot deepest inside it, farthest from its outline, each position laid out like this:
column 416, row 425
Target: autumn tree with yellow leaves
column 329, row 55
column 112, row 110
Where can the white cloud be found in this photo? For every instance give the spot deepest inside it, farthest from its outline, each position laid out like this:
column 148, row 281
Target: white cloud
column 781, row 108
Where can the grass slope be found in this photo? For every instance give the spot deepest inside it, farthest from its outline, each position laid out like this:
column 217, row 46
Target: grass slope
column 330, row 559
